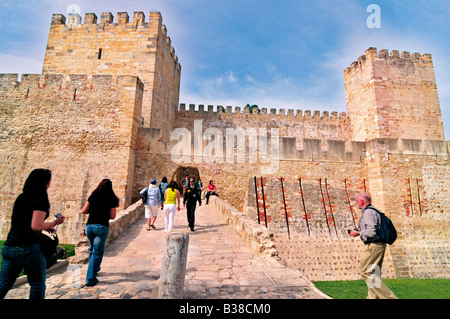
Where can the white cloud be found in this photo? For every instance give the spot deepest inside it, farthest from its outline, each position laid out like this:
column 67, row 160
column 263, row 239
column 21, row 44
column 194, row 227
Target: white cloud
column 231, row 77
column 20, row 63
column 276, row 91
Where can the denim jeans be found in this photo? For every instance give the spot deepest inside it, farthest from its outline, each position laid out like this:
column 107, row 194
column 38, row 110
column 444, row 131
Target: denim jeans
column 96, row 235
column 32, row 261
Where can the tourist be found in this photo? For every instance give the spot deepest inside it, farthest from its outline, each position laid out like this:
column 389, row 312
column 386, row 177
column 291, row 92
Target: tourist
column 152, row 203
column 162, row 187
column 185, row 183
column 211, row 191
column 21, row 249
column 193, row 194
column 101, row 207
column 374, row 249
column 171, row 197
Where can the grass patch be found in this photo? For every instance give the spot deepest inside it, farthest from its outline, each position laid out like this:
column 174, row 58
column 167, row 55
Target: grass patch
column 70, row 249
column 402, row 288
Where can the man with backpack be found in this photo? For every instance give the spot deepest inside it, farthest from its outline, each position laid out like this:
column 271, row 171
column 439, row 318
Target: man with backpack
column 151, row 199
column 374, row 248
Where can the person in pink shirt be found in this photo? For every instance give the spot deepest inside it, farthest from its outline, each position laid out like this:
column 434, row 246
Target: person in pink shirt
column 211, row 191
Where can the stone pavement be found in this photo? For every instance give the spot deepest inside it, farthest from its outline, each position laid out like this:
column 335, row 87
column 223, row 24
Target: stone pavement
column 220, row 265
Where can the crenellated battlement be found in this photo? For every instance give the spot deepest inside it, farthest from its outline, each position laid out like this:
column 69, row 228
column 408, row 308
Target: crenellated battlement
column 121, row 45
column 106, row 24
column 9, row 81
column 372, row 53
column 191, row 109
column 61, row 86
column 389, row 94
column 315, row 126
column 74, row 19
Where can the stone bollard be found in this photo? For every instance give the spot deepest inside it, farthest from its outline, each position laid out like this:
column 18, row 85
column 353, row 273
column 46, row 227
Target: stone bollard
column 173, row 268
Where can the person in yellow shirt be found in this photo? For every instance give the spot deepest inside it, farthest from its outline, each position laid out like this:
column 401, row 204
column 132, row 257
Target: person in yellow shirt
column 171, row 198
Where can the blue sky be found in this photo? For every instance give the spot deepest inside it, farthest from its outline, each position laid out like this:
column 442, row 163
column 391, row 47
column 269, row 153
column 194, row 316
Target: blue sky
column 277, row 54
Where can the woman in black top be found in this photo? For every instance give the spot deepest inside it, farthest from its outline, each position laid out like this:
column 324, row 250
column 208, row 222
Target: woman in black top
column 101, row 207
column 21, row 249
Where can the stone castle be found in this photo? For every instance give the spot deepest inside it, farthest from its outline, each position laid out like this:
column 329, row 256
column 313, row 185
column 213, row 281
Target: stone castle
column 107, row 106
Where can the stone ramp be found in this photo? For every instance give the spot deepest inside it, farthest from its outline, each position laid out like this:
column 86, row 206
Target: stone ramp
column 220, row 265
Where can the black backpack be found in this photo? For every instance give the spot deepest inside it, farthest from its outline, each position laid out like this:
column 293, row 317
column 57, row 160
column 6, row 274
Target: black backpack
column 144, row 196
column 387, row 232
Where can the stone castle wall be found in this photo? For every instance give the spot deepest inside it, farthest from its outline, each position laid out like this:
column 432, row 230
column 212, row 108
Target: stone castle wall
column 310, row 217
column 321, row 211
column 128, row 47
column 309, row 146
column 393, row 96
column 106, row 106
column 319, row 253
column 327, row 148
column 372, row 150
column 82, row 128
column 101, row 80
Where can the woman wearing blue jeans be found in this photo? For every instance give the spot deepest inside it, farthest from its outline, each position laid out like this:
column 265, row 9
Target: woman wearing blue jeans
column 21, row 249
column 101, row 207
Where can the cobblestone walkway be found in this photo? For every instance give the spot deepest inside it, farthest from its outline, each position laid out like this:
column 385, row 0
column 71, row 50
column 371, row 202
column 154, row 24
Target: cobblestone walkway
column 220, row 266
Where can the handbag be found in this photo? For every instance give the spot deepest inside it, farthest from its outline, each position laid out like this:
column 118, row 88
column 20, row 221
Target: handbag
column 48, row 242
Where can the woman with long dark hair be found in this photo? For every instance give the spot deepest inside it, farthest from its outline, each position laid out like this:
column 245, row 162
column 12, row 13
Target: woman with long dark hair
column 162, row 187
column 21, row 249
column 101, row 207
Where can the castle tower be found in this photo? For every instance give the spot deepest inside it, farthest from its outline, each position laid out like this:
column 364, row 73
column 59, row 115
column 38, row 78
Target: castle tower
column 127, row 47
column 393, row 97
